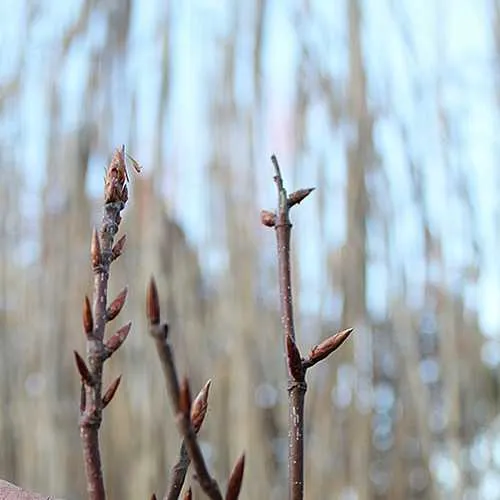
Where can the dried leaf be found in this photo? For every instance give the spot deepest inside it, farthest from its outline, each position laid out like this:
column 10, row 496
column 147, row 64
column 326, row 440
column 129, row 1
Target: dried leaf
column 153, row 303
column 236, row 479
column 110, row 392
column 116, row 306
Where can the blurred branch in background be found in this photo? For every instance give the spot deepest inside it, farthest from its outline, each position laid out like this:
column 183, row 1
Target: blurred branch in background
column 388, row 108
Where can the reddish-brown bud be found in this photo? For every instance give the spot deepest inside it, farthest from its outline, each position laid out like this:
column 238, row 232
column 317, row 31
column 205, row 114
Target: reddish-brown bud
column 199, row 407
column 296, row 197
column 116, row 306
column 117, row 339
column 118, row 248
column 185, row 397
column 153, row 303
column 294, row 360
column 88, row 321
column 188, row 495
column 236, row 479
column 326, row 347
column 95, row 250
column 268, row 218
column 153, row 497
column 116, row 178
column 110, row 392
column 83, row 370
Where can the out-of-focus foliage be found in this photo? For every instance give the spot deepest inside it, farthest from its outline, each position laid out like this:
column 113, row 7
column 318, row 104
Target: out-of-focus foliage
column 386, row 107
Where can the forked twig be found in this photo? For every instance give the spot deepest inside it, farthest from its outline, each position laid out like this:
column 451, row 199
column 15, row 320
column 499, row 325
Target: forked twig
column 297, row 366
column 189, row 416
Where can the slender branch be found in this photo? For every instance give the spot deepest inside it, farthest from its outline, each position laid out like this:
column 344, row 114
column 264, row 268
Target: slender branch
column 179, row 395
column 297, row 366
column 296, row 378
column 91, row 403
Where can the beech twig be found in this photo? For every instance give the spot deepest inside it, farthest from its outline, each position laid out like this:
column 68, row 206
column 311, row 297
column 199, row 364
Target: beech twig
column 297, row 366
column 181, row 402
column 102, row 251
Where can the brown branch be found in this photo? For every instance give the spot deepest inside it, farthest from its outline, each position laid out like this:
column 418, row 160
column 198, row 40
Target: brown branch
column 179, row 397
column 92, row 401
column 297, row 366
column 296, row 382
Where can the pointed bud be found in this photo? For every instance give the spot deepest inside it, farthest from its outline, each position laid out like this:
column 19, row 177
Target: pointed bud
column 83, row 370
column 95, row 250
column 268, row 218
column 185, row 397
column 298, row 196
column 153, row 497
column 293, row 359
column 199, row 407
column 118, row 248
column 116, row 306
column 110, row 392
column 153, row 303
column 326, row 347
column 236, row 479
column 188, row 495
column 116, row 179
column 117, row 339
column 88, row 321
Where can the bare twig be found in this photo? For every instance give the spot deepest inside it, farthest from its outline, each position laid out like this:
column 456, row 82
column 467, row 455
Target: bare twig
column 297, row 366
column 92, row 402
column 181, row 403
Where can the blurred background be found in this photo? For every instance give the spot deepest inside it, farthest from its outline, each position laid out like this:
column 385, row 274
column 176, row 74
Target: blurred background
column 387, row 107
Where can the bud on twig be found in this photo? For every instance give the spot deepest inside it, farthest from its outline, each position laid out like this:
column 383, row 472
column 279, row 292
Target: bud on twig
column 95, row 250
column 153, row 497
column 110, row 392
column 294, row 361
column 236, row 479
column 116, row 306
column 117, row 339
column 189, row 494
column 326, row 347
column 118, row 248
column 88, row 321
column 83, row 370
column 199, row 407
column 296, row 197
column 153, row 303
column 268, row 218
column 185, row 397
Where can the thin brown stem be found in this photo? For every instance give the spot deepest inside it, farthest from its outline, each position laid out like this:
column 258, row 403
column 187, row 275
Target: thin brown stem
column 297, row 366
column 115, row 197
column 296, row 371
column 179, row 396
